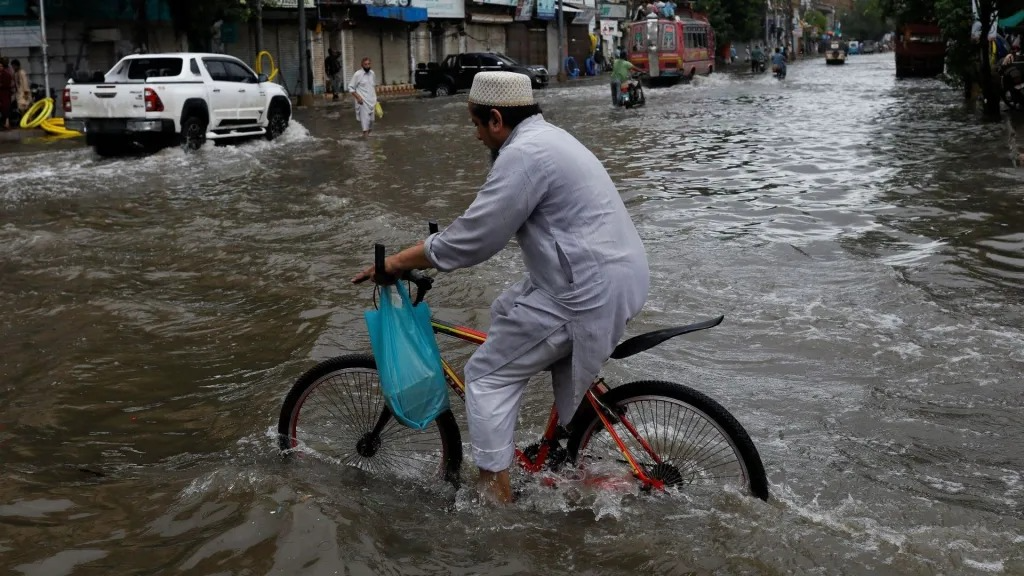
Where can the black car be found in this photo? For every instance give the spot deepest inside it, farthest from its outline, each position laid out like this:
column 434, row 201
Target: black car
column 456, row 72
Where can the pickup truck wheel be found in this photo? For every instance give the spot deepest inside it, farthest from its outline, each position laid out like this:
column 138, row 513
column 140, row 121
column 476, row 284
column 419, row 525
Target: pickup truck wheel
column 193, row 134
column 443, row 89
column 277, row 122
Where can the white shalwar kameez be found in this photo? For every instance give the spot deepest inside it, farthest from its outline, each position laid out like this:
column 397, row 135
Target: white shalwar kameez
column 363, row 83
column 587, row 275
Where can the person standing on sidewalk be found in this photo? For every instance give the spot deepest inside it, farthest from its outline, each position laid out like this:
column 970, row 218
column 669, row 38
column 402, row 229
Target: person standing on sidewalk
column 6, row 94
column 364, row 91
column 332, row 66
column 620, row 74
column 22, row 90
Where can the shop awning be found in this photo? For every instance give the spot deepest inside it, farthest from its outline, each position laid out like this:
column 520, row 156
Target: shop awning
column 491, row 18
column 403, row 13
column 1012, row 21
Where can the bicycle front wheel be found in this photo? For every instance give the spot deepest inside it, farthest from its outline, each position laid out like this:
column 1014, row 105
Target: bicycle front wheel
column 694, row 440
column 336, row 411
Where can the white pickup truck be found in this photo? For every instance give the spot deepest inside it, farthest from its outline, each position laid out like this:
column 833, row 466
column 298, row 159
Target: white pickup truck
column 151, row 101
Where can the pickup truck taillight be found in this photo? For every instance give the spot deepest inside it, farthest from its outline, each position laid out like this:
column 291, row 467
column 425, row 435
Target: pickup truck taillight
column 65, row 99
column 153, row 102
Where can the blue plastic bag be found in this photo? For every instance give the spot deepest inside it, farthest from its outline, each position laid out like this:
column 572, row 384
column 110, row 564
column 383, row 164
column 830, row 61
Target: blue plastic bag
column 408, row 361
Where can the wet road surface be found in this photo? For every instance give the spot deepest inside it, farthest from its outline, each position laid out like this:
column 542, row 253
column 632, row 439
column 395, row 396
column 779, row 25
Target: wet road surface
column 864, row 238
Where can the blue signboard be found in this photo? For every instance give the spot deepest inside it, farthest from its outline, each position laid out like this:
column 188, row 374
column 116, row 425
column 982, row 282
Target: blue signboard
column 92, row 10
column 546, row 9
column 12, row 8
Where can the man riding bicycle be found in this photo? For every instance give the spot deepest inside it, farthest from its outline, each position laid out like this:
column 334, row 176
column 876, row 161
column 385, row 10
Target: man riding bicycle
column 587, row 271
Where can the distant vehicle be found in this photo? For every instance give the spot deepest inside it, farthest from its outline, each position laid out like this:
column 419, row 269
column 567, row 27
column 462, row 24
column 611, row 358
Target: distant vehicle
column 835, row 54
column 869, row 47
column 671, row 50
column 456, row 72
column 920, row 50
column 853, row 47
column 151, row 101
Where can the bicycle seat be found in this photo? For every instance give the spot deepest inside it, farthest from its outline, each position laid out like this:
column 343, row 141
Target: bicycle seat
column 638, row 344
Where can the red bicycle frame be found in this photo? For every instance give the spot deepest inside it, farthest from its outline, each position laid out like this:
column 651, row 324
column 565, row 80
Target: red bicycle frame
column 607, row 415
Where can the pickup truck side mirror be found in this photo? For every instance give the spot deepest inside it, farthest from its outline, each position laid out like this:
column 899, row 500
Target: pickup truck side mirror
column 263, row 78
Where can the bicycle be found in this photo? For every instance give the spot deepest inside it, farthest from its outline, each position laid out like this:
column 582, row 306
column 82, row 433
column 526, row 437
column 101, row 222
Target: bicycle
column 605, row 429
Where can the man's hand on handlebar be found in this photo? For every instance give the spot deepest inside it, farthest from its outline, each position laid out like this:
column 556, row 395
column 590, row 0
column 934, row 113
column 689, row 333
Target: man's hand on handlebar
column 390, row 275
column 395, row 266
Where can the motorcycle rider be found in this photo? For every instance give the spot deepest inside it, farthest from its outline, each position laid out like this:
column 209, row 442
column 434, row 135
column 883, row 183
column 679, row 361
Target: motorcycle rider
column 779, row 63
column 757, row 59
column 620, row 74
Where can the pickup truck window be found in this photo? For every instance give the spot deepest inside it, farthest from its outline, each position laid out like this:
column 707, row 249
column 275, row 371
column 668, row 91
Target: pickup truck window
column 217, row 70
column 194, row 66
column 239, row 73
column 223, row 70
column 142, row 68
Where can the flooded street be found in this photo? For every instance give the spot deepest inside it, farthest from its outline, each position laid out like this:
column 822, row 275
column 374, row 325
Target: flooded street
column 864, row 238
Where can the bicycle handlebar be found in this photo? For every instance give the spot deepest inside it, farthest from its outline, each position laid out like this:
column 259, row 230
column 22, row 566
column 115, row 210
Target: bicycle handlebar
column 423, row 282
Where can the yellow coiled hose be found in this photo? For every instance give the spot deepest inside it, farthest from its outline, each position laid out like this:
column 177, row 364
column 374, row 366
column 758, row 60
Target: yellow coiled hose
column 259, row 65
column 55, row 127
column 37, row 113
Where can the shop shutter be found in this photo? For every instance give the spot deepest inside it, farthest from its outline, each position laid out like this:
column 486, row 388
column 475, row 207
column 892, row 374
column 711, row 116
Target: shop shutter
column 366, row 44
column 286, row 56
column 579, row 45
column 244, row 47
column 485, row 38
column 527, row 43
column 517, row 42
column 395, row 59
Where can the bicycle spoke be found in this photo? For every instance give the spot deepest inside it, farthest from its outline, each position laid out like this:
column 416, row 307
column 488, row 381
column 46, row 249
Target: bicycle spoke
column 685, row 440
column 339, row 412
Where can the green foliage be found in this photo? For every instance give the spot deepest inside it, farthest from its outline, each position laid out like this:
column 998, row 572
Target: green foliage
column 903, row 11
column 733, row 19
column 955, row 19
column 194, row 19
column 817, row 20
column 866, row 22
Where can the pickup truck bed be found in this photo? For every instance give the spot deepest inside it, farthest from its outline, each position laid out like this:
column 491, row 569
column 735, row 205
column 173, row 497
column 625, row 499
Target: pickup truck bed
column 151, row 101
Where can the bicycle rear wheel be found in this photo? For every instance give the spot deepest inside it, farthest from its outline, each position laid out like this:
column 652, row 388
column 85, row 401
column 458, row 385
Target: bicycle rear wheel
column 698, row 442
column 336, row 411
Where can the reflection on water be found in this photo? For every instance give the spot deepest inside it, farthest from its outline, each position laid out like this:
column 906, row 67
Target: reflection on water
column 863, row 237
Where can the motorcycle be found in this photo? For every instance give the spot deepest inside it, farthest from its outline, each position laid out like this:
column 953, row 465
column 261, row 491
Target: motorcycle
column 779, row 72
column 757, row 66
column 632, row 93
column 1011, row 79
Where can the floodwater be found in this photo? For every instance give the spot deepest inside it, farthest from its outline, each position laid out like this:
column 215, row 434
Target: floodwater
column 864, row 238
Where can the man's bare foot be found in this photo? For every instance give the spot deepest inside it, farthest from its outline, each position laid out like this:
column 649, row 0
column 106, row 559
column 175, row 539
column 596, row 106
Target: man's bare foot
column 495, row 486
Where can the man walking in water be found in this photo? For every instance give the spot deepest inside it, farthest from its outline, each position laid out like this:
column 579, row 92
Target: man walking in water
column 364, row 92
column 586, row 269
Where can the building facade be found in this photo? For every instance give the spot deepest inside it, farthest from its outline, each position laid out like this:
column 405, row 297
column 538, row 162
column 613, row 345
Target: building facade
column 88, row 36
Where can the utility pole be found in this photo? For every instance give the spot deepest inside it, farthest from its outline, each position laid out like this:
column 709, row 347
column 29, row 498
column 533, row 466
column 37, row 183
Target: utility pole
column 259, row 26
column 562, row 76
column 305, row 98
column 42, row 34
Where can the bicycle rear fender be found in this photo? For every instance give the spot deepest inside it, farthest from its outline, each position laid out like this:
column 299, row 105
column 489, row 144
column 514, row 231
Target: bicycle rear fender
column 638, row 344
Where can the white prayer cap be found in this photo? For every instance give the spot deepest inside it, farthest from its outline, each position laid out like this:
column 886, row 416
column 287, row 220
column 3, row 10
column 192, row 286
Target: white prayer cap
column 501, row 89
